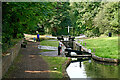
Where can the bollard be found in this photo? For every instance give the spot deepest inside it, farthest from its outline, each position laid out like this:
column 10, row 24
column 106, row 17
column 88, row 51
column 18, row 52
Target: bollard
column 69, row 54
column 69, row 37
column 110, row 34
column 62, row 37
column 24, row 45
column 80, row 48
column 59, row 48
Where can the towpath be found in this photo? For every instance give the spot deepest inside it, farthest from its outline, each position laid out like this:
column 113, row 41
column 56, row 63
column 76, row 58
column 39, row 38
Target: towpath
column 30, row 64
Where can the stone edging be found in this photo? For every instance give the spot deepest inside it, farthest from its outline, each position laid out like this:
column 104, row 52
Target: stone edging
column 7, row 60
column 102, row 59
column 65, row 65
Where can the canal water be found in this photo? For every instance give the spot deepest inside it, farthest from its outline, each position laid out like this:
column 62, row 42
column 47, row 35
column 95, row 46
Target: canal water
column 89, row 68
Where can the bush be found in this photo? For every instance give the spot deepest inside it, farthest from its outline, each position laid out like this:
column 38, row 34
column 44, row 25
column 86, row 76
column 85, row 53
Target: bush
column 9, row 44
column 89, row 33
column 20, row 35
column 93, row 33
column 96, row 32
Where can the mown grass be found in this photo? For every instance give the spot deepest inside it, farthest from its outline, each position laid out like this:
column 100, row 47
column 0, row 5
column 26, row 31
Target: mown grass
column 55, row 62
column 49, row 43
column 104, row 47
column 45, row 50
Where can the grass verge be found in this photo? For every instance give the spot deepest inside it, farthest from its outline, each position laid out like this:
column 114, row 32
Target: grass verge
column 49, row 43
column 55, row 62
column 45, row 50
column 103, row 47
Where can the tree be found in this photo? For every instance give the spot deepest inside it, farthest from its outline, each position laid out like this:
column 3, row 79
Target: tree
column 107, row 18
column 22, row 18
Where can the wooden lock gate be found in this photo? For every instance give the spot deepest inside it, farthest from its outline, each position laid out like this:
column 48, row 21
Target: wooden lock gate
column 71, row 48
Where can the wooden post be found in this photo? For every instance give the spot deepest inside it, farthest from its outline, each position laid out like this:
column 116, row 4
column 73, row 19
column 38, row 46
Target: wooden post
column 73, row 45
column 59, row 48
column 79, row 48
column 69, row 53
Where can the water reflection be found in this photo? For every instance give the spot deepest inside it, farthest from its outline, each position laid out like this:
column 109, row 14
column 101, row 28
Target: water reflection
column 76, row 69
column 101, row 69
column 88, row 68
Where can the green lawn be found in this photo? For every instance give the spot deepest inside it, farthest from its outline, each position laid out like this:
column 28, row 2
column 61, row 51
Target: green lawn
column 45, row 50
column 49, row 43
column 55, row 62
column 104, row 47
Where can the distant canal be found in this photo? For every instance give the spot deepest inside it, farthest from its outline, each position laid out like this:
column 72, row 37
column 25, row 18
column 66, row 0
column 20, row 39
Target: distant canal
column 88, row 68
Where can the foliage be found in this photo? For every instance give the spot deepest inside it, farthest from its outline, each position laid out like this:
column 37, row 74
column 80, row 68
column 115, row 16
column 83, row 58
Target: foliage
column 60, row 19
column 94, row 18
column 52, row 18
column 107, row 18
column 5, row 46
column 89, row 18
column 22, row 18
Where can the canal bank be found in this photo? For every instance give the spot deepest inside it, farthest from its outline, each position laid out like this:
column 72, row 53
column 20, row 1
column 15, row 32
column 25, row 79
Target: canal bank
column 102, row 48
column 76, row 45
column 100, row 58
column 94, row 67
column 82, row 68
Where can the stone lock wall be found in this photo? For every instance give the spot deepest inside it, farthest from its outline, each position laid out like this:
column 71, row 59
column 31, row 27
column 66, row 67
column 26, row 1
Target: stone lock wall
column 7, row 60
column 76, row 46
